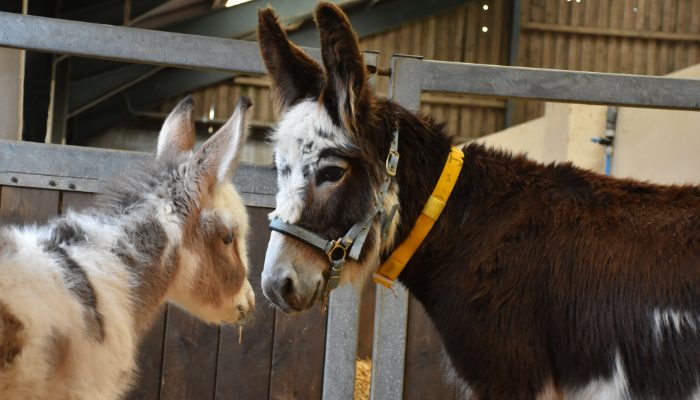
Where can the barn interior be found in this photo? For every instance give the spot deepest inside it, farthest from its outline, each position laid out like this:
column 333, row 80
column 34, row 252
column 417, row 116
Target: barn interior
column 98, row 103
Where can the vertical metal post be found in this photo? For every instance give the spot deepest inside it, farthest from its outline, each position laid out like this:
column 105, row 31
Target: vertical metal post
column 343, row 326
column 341, row 344
column 391, row 310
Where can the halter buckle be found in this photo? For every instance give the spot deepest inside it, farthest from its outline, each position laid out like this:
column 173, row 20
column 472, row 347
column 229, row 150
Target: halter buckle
column 337, row 251
column 392, row 162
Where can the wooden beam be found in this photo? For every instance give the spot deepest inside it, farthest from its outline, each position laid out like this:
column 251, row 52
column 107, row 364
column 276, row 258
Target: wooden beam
column 612, row 32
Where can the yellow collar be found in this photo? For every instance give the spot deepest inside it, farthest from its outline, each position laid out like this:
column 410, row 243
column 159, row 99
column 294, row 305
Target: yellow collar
column 392, row 267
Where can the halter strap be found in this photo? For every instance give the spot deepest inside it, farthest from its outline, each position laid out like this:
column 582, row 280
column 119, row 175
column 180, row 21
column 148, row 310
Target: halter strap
column 349, row 245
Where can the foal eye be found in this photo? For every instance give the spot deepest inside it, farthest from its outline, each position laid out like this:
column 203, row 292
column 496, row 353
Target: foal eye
column 228, row 239
column 330, row 174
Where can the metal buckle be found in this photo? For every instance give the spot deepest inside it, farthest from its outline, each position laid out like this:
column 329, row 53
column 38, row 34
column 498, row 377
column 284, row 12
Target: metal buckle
column 338, row 249
column 392, row 162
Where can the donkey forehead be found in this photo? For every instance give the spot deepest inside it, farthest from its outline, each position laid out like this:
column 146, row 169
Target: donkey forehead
column 303, row 132
column 227, row 204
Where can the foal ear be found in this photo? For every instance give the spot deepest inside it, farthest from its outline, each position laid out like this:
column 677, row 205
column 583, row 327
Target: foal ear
column 219, row 155
column 346, row 73
column 295, row 75
column 177, row 134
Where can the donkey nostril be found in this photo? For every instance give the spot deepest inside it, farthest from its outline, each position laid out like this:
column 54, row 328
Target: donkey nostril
column 287, row 287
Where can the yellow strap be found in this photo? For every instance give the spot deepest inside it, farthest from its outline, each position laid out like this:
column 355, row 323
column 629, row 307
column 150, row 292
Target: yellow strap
column 392, row 267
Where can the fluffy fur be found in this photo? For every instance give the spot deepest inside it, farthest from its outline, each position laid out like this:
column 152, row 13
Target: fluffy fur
column 77, row 294
column 543, row 281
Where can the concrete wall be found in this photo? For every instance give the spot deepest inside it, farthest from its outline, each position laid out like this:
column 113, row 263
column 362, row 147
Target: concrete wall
column 526, row 138
column 563, row 134
column 659, row 145
column 11, row 90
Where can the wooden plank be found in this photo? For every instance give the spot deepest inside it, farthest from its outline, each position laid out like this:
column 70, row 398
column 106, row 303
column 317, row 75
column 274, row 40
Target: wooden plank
column 452, row 120
column 534, row 60
column 613, row 32
column 614, row 43
column 471, row 32
column 76, row 201
column 244, row 368
column 189, row 357
column 653, row 46
column 694, row 28
column 424, row 375
column 24, row 205
column 224, row 108
column 430, row 39
column 574, row 50
column 639, row 45
column 626, row 43
column 485, row 39
column 366, row 325
column 458, row 34
column 601, row 42
column 150, row 357
column 499, row 47
column 562, row 41
column 548, row 39
column 297, row 356
column 680, row 50
column 590, row 15
column 667, row 16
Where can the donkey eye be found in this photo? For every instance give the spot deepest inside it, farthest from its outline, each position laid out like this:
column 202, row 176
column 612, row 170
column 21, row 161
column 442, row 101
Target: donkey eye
column 330, row 174
column 228, row 239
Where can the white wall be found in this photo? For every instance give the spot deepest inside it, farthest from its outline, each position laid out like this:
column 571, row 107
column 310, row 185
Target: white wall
column 659, row 145
column 563, row 134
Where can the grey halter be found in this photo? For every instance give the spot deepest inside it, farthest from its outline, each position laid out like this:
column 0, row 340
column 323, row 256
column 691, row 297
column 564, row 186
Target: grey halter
column 349, row 245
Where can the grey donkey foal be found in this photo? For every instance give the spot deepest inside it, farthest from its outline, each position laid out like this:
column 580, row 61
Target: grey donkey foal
column 77, row 294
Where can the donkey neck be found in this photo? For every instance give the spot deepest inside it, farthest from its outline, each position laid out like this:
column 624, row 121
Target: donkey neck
column 141, row 244
column 423, row 149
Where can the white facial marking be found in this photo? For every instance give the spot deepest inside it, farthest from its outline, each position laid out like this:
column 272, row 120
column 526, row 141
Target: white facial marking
column 615, row 388
column 303, row 132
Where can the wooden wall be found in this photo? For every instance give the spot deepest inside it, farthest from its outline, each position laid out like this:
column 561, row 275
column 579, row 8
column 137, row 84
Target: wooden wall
column 455, row 35
column 650, row 37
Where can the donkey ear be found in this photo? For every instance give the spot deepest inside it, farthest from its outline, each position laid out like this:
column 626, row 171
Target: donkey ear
column 219, row 155
column 345, row 68
column 294, row 74
column 177, row 134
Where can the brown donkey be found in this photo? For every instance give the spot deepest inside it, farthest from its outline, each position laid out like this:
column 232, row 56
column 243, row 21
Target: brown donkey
column 544, row 281
column 77, row 295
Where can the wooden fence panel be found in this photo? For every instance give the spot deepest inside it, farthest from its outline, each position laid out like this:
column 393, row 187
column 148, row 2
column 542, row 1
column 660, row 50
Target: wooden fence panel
column 24, row 205
column 150, row 362
column 297, row 356
column 653, row 37
column 244, row 368
column 189, row 357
